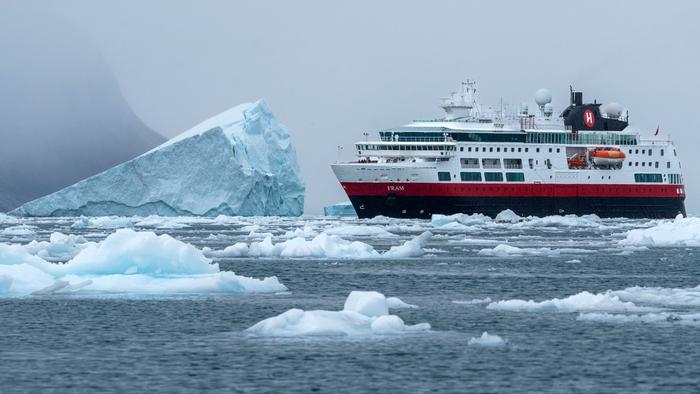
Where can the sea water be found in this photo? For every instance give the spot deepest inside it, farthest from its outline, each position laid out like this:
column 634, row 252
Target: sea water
column 611, row 310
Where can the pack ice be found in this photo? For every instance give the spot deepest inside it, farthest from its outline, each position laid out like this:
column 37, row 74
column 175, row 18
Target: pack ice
column 240, row 162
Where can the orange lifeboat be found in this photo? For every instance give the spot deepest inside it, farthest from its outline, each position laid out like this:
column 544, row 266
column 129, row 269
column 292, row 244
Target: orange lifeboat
column 608, row 157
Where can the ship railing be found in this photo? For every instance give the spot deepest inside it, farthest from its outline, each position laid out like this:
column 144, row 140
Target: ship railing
column 415, row 139
column 660, row 140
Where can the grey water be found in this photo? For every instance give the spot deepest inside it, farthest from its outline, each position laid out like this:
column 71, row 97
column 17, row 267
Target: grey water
column 189, row 343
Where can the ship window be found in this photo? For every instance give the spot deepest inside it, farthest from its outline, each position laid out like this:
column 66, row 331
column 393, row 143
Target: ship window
column 649, row 152
column 630, row 164
column 636, row 164
column 493, row 177
column 461, row 149
column 469, row 149
column 643, row 151
column 656, row 164
column 515, row 177
column 636, row 151
column 558, row 150
column 491, row 163
column 648, row 178
column 527, row 149
column 491, row 149
column 662, row 152
column 443, row 176
column 668, row 164
column 550, row 150
column 674, row 153
column 469, row 163
column 643, row 164
column 498, row 149
column 470, row 176
column 530, row 163
column 513, row 163
column 537, row 150
column 520, row 150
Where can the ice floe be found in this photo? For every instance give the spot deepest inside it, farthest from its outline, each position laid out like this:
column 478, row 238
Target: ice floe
column 397, row 303
column 104, row 222
column 358, row 230
column 684, row 232
column 487, row 340
column 504, row 250
column 322, row 245
column 125, row 262
column 581, row 302
column 59, row 247
column 654, row 317
column 18, row 231
column 365, row 313
column 474, row 301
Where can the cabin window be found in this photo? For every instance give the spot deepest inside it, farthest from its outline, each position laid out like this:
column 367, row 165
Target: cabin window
column 443, row 176
column 515, row 177
column 648, row 178
column 469, row 162
column 469, row 149
column 493, row 177
column 656, row 164
column 513, row 163
column 470, row 176
column 662, row 152
column 461, row 149
column 649, row 152
column 491, row 163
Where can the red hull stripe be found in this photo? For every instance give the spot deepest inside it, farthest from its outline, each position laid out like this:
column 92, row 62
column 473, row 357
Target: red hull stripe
column 509, row 190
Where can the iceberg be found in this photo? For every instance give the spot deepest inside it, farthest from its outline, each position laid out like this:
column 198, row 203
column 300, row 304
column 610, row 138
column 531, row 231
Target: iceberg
column 344, row 208
column 238, row 163
column 365, row 313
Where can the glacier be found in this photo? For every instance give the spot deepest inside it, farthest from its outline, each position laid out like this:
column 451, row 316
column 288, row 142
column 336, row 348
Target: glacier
column 239, row 163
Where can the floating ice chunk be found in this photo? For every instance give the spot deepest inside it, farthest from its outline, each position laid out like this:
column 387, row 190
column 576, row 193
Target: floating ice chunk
column 581, row 302
column 658, row 317
column 508, row 216
column 368, row 303
column 8, row 219
column 364, row 314
column 305, row 232
column 127, row 261
column 411, row 248
column 487, row 340
column 397, row 303
column 661, row 296
column 323, row 246
column 565, row 221
column 504, row 250
column 679, row 232
column 344, row 208
column 355, row 231
column 18, row 231
column 474, row 301
column 461, row 220
column 103, row 222
column 573, row 261
column 60, row 247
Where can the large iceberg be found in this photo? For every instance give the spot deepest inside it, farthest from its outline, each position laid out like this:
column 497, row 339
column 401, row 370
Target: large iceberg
column 240, row 162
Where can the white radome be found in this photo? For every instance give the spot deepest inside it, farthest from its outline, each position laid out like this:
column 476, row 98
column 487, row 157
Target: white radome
column 543, row 96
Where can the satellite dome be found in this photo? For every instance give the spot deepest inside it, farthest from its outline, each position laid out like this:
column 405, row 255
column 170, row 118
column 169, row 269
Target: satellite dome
column 613, row 110
column 543, row 96
column 548, row 109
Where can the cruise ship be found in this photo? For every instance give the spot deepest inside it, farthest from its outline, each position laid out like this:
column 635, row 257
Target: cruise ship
column 487, row 160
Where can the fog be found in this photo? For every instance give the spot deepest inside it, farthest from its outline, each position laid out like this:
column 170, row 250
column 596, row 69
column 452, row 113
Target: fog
column 332, row 70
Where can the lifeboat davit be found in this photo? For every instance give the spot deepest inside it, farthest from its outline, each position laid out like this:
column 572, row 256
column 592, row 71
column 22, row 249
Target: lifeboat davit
column 608, row 157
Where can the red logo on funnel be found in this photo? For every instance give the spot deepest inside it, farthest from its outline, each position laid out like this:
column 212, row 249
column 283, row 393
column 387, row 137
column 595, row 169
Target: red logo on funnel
column 588, row 118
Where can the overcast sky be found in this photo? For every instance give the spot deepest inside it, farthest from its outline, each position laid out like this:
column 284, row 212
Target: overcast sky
column 333, row 70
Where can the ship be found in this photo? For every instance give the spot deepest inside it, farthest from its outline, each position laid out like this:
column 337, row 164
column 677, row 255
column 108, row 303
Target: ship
column 487, row 160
